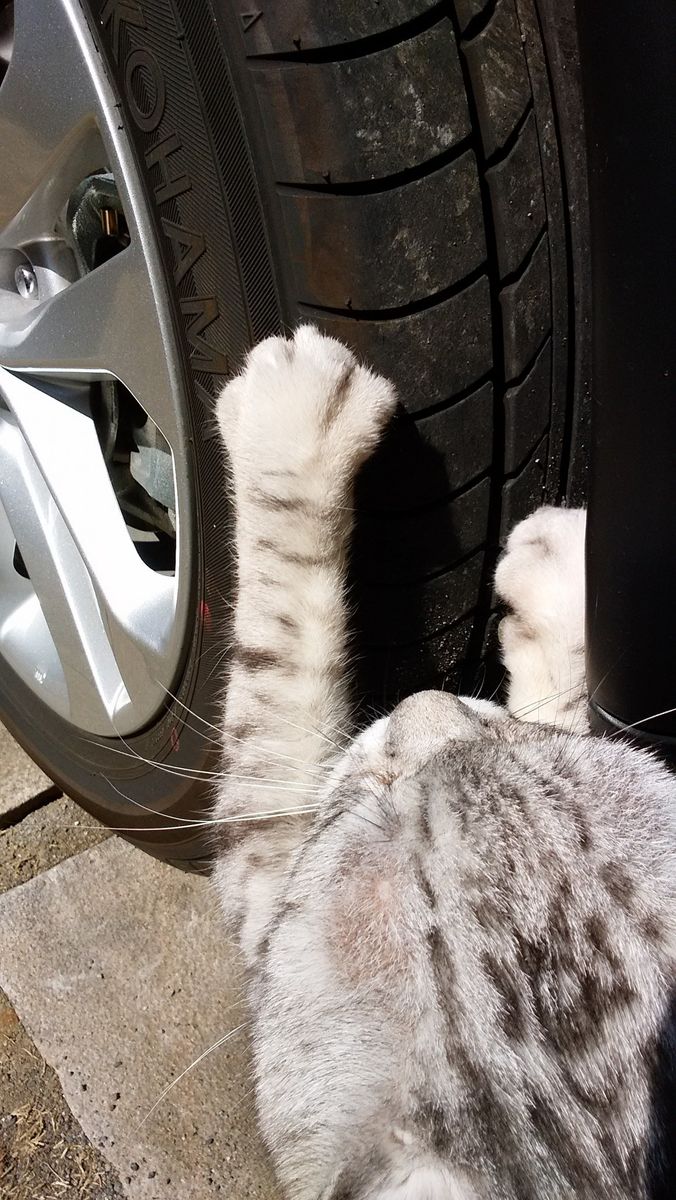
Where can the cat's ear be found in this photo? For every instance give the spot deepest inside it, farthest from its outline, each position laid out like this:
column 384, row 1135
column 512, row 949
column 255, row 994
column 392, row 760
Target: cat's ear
column 423, row 724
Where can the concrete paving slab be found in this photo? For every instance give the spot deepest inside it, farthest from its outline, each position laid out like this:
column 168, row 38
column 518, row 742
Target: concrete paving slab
column 20, row 779
column 45, row 837
column 118, row 968
column 44, row 1154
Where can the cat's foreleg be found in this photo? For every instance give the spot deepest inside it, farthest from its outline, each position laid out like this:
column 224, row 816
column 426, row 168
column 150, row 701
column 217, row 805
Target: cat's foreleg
column 297, row 424
column 541, row 580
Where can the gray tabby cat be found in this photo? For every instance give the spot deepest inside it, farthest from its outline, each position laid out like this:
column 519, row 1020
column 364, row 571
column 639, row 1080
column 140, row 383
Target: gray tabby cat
column 459, row 927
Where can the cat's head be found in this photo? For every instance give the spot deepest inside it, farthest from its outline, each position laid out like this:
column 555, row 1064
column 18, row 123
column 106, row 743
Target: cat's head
column 390, row 1008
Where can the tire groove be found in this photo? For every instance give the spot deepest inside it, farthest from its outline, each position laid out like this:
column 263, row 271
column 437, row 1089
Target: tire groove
column 433, row 409
column 450, row 569
column 390, row 514
column 570, row 406
column 369, row 187
column 478, row 23
column 503, row 152
column 403, row 310
column 523, row 375
column 494, row 517
column 524, row 464
column 371, row 44
column 423, row 641
column 516, row 275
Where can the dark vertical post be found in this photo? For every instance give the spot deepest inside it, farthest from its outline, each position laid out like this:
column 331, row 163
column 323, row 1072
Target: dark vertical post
column 628, row 60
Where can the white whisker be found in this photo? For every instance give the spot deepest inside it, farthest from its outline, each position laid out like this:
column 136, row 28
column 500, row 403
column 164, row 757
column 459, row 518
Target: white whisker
column 225, row 733
column 216, row 1045
column 312, row 733
column 204, row 822
column 192, row 772
column 532, row 707
column 666, row 712
column 257, row 781
column 153, row 811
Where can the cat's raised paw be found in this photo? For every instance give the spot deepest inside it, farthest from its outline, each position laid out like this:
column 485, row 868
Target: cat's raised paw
column 300, row 402
column 540, row 579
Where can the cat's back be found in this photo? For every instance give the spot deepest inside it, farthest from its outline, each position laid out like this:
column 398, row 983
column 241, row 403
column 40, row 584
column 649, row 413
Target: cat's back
column 551, row 865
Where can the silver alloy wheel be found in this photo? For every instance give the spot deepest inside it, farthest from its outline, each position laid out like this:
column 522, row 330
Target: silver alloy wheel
column 95, row 631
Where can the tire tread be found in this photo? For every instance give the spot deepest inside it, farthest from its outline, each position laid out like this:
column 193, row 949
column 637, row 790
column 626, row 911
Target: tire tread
column 385, row 228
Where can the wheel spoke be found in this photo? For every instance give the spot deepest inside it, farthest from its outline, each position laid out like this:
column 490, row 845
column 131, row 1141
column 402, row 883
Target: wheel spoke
column 103, row 324
column 47, row 142
column 93, row 687
column 136, row 605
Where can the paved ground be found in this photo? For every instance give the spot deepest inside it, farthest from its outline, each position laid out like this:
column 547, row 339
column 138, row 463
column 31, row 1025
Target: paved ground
column 20, row 780
column 115, row 976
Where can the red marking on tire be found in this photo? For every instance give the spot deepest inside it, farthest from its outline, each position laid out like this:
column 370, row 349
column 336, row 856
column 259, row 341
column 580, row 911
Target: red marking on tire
column 174, row 740
column 205, row 615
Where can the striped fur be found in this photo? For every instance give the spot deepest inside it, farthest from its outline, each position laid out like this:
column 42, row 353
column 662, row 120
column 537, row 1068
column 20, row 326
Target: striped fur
column 461, row 959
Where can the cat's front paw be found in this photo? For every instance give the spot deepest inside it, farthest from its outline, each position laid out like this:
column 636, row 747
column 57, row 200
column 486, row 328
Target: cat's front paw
column 540, row 579
column 303, row 404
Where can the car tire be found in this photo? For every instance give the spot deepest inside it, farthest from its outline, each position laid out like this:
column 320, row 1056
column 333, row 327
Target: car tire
column 399, row 173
